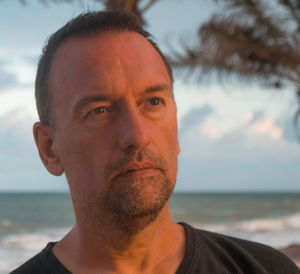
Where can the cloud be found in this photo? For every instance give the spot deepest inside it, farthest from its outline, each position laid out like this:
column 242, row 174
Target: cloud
column 210, row 129
column 252, row 116
column 254, row 155
column 23, row 70
column 267, row 127
column 289, row 130
column 15, row 131
column 195, row 117
column 21, row 168
column 7, row 79
column 31, row 59
column 17, row 70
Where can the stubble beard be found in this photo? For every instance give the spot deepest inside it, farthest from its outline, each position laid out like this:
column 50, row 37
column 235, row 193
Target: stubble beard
column 135, row 203
column 134, row 208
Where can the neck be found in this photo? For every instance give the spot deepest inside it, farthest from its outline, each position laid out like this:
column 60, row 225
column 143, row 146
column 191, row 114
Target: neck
column 122, row 233
column 140, row 244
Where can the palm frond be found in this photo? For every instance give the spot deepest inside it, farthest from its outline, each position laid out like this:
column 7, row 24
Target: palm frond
column 131, row 6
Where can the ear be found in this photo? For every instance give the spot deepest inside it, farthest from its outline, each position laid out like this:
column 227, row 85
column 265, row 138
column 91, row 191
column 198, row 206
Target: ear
column 44, row 140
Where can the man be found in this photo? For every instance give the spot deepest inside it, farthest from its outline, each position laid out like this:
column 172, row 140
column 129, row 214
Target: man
column 108, row 120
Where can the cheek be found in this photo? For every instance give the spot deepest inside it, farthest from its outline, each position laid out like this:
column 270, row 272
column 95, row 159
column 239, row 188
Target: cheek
column 84, row 155
column 171, row 136
column 169, row 146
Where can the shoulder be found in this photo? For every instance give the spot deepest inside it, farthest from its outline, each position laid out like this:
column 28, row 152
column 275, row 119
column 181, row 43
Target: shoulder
column 34, row 265
column 239, row 254
column 43, row 262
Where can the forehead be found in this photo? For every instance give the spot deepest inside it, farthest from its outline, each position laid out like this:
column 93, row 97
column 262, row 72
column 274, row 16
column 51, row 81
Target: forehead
column 104, row 60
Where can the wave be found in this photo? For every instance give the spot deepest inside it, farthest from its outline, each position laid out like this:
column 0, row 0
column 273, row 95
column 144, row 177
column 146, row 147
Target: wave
column 17, row 248
column 26, row 241
column 32, row 240
column 256, row 225
column 278, row 232
column 4, row 223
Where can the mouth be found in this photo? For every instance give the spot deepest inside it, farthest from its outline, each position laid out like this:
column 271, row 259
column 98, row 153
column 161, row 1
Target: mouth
column 135, row 171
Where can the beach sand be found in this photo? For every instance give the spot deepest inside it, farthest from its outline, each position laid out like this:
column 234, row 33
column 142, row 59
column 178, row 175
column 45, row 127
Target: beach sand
column 293, row 252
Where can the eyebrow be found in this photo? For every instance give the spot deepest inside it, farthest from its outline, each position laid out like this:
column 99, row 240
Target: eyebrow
column 156, row 88
column 98, row 98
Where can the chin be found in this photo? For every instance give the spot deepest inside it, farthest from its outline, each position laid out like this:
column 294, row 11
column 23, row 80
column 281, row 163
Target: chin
column 134, row 204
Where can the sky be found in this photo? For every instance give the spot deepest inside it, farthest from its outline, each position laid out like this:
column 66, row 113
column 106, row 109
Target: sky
column 234, row 136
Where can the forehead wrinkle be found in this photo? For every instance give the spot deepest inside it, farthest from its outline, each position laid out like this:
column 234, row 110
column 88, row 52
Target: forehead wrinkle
column 120, row 66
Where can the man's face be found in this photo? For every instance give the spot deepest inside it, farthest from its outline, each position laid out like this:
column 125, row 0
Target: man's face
column 116, row 127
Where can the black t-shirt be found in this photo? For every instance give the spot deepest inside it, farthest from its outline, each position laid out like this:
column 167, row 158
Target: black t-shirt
column 206, row 253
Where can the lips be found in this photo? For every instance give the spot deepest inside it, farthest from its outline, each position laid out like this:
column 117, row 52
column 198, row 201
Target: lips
column 136, row 170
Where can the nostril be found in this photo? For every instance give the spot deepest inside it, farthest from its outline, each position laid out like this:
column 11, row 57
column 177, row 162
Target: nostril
column 129, row 149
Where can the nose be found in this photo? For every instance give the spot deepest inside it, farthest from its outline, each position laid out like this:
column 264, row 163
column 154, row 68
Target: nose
column 133, row 131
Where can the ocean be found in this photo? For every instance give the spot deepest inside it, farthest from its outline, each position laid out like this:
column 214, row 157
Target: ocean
column 29, row 220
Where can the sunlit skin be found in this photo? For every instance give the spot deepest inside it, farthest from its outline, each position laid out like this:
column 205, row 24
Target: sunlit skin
column 115, row 137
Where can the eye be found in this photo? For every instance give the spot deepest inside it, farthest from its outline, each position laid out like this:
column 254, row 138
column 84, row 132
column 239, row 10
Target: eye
column 155, row 101
column 100, row 110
